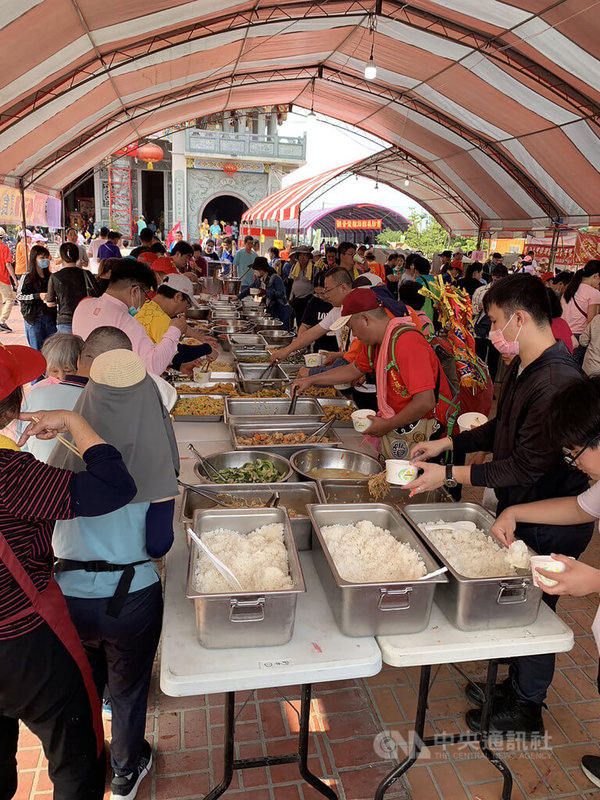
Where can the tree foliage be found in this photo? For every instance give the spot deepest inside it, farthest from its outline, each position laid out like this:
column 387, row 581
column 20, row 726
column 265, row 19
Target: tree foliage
column 427, row 235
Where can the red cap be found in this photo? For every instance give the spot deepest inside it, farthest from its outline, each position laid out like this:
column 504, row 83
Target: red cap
column 357, row 302
column 164, row 264
column 19, row 365
column 148, row 257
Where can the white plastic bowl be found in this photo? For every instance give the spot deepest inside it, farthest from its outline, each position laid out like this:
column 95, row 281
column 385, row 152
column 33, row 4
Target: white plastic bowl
column 470, row 420
column 314, row 359
column 200, row 376
column 550, row 565
column 399, row 472
column 360, row 419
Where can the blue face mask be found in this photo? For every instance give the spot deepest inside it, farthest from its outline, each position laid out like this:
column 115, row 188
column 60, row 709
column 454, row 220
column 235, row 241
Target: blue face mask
column 133, row 310
column 44, row 263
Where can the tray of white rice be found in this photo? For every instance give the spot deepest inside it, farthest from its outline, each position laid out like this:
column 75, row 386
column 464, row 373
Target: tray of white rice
column 258, row 546
column 489, row 586
column 370, row 563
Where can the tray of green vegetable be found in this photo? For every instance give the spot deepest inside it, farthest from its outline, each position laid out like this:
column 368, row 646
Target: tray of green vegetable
column 245, row 466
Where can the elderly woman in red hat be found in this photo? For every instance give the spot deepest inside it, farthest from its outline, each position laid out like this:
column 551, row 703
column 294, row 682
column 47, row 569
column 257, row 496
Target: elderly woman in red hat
column 45, row 678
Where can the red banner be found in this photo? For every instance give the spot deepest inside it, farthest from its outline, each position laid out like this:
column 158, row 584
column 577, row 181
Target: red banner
column 267, row 232
column 563, row 259
column 587, row 248
column 359, row 224
column 10, row 207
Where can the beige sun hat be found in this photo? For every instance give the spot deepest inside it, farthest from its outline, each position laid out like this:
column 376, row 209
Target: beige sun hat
column 118, row 368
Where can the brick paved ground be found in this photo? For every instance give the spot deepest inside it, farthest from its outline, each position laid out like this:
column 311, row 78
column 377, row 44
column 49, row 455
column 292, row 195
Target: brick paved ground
column 187, row 733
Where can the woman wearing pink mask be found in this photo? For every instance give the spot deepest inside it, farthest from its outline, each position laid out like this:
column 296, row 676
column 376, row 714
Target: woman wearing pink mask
column 526, row 466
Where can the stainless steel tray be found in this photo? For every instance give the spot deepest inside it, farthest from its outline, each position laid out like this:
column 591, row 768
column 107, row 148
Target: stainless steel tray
column 294, row 497
column 242, row 354
column 340, row 491
column 209, row 385
column 332, row 401
column 246, row 340
column 373, row 609
column 198, row 417
column 270, row 410
column 245, row 619
column 285, row 425
column 477, row 604
column 250, row 380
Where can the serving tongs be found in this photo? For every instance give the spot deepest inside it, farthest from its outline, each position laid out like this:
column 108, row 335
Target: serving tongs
column 203, row 493
column 294, row 403
column 207, row 466
column 322, row 430
column 273, row 501
column 263, row 375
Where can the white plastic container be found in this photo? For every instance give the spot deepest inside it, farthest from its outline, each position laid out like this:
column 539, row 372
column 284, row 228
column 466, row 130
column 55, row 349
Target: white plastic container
column 201, row 377
column 547, row 563
column 399, row 472
column 470, row 420
column 360, row 419
column 254, row 290
column 314, row 359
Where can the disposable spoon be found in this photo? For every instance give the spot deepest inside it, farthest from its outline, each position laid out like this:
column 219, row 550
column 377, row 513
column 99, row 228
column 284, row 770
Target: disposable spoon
column 219, row 566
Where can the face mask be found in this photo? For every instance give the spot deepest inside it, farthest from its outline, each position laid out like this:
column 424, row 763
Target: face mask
column 133, row 310
column 502, row 345
column 44, row 263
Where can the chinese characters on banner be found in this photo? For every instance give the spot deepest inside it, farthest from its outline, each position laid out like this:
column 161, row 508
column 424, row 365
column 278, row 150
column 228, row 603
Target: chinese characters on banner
column 587, row 248
column 358, row 224
column 562, row 260
column 10, row 207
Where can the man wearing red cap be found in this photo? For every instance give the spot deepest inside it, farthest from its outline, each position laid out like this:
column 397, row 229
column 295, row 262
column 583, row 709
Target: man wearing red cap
column 411, row 385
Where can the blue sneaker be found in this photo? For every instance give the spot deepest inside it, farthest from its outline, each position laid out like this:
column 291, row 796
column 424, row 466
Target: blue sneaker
column 107, row 710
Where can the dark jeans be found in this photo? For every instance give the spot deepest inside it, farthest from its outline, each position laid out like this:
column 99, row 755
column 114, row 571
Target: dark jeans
column 489, row 355
column 532, row 675
column 41, row 685
column 299, row 307
column 121, row 651
column 39, row 331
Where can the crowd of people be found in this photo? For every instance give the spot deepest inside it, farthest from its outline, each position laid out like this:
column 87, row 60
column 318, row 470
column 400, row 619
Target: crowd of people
column 82, row 517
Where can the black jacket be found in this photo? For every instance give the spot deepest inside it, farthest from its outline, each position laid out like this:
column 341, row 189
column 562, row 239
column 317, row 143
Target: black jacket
column 525, row 466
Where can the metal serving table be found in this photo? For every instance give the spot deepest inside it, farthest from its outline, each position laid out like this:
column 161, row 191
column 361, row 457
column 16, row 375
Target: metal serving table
column 442, row 643
column 317, row 652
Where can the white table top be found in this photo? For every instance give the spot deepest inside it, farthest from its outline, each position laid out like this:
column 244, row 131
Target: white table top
column 442, row 643
column 317, row 651
column 189, row 669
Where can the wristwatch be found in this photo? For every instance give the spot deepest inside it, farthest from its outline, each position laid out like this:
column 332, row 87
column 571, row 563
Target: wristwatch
column 450, row 482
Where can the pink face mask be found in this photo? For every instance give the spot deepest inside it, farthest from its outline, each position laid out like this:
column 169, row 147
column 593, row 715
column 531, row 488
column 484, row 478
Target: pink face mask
column 502, row 345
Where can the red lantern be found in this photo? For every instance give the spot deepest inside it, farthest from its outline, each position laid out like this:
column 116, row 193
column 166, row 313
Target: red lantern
column 129, row 150
column 229, row 168
column 151, row 153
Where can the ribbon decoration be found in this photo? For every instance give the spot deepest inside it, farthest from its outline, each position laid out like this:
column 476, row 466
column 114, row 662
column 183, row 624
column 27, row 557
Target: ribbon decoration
column 455, row 313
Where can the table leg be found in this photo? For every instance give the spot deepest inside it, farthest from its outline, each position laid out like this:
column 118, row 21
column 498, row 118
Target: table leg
column 308, row 776
column 301, row 757
column 486, row 713
column 396, row 773
column 227, row 750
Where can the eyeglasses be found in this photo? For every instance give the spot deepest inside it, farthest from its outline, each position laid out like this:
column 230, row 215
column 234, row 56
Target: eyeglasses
column 570, row 459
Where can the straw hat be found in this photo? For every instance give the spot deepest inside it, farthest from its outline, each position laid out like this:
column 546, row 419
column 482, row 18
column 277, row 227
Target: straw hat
column 118, row 368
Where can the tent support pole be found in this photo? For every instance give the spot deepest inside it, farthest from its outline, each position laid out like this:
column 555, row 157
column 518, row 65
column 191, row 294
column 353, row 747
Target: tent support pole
column 554, row 246
column 479, row 235
column 298, row 228
column 24, row 218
